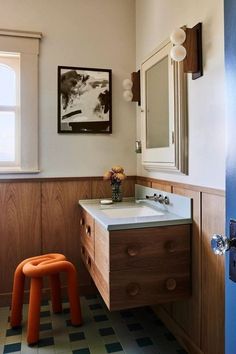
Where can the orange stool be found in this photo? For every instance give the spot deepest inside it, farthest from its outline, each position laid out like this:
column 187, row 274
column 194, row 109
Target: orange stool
column 35, row 268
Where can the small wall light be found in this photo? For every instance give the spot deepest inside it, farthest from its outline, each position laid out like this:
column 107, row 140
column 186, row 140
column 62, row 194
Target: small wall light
column 132, row 88
column 177, row 37
column 178, row 53
column 188, row 48
column 127, row 86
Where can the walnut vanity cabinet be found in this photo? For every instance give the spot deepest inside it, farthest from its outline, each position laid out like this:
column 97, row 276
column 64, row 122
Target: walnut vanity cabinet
column 137, row 267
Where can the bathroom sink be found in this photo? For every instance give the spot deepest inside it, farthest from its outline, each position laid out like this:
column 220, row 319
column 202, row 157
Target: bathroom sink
column 141, row 211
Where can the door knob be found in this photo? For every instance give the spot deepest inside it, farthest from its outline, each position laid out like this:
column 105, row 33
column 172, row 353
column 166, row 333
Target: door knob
column 220, row 244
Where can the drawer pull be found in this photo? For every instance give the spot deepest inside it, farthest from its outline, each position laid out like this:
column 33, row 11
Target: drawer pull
column 82, row 221
column 88, row 230
column 170, row 246
column 133, row 289
column 171, row 284
column 132, row 251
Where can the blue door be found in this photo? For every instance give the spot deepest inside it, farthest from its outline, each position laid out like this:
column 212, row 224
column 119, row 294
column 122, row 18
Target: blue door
column 230, row 66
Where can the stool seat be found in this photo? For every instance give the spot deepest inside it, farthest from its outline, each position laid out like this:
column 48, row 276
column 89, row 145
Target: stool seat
column 36, row 268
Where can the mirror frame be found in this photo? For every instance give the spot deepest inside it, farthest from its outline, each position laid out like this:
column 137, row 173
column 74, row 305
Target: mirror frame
column 178, row 110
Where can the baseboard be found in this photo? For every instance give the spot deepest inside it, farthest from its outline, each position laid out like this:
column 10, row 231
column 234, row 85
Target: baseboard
column 177, row 331
column 5, row 299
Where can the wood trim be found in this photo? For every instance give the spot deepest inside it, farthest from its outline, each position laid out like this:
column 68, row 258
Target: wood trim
column 177, row 331
column 162, row 186
column 143, row 182
column 146, row 181
column 57, row 179
column 209, row 190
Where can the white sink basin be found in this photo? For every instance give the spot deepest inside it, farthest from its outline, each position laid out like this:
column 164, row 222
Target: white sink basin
column 131, row 212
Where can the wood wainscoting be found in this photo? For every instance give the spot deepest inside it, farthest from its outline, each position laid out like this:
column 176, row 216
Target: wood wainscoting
column 41, row 215
column 198, row 323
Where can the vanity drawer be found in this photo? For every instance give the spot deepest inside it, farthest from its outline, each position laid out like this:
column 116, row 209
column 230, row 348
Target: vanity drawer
column 87, row 232
column 142, row 287
column 149, row 247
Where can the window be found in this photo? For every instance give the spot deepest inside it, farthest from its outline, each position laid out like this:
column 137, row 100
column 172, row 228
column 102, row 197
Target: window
column 19, row 101
column 9, row 109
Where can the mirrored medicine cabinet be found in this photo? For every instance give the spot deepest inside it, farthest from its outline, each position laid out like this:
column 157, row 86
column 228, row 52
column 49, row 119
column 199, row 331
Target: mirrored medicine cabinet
column 164, row 113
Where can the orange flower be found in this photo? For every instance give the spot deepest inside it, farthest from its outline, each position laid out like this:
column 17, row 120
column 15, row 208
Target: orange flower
column 120, row 176
column 107, row 175
column 115, row 175
column 117, row 169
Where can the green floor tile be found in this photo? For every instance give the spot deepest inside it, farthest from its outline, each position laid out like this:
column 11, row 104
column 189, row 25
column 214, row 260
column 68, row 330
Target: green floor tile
column 135, row 331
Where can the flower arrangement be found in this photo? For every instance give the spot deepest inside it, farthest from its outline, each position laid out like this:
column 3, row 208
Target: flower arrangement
column 116, row 175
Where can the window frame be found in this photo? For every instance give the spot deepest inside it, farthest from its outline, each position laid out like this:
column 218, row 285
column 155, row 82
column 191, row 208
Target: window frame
column 27, row 45
column 12, row 61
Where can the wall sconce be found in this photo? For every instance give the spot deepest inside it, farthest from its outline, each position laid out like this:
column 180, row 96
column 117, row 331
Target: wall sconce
column 132, row 88
column 127, row 86
column 188, row 48
column 178, row 37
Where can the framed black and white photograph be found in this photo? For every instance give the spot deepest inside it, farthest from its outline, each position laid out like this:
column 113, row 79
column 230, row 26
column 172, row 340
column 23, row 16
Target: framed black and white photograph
column 84, row 100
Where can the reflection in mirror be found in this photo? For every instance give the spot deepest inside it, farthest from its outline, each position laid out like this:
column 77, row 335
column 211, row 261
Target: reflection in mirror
column 157, row 105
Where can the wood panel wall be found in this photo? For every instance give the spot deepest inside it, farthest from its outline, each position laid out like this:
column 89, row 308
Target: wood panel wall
column 39, row 216
column 42, row 215
column 20, row 229
column 213, row 289
column 60, row 221
column 199, row 322
column 188, row 313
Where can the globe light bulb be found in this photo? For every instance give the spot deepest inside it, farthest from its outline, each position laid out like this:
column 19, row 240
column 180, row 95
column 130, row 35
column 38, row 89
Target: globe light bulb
column 127, row 95
column 127, row 84
column 178, row 36
column 178, row 53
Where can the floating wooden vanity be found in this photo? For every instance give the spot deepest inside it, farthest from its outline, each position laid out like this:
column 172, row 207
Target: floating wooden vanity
column 138, row 266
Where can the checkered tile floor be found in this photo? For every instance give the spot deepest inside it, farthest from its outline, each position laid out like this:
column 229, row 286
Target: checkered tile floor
column 133, row 331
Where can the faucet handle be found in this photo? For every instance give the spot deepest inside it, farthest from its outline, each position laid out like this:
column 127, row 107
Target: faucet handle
column 158, row 198
column 163, row 199
column 166, row 200
column 152, row 197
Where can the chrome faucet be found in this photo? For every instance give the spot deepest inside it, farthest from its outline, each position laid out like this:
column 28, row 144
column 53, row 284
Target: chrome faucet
column 158, row 198
column 154, row 197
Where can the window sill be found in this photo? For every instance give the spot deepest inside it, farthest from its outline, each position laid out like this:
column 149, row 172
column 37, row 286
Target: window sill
column 16, row 171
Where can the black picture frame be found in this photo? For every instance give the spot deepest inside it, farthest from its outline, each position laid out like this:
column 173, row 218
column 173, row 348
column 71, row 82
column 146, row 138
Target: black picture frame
column 84, row 100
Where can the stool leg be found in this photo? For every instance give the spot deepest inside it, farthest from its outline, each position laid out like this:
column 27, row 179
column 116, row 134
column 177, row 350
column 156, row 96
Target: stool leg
column 73, row 295
column 17, row 298
column 34, row 311
column 56, row 293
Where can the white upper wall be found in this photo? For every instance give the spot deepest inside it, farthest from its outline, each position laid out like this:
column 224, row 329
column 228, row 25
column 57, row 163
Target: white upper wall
column 84, row 33
column 155, row 20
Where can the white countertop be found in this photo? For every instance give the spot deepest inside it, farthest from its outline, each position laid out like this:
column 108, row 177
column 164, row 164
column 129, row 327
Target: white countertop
column 94, row 208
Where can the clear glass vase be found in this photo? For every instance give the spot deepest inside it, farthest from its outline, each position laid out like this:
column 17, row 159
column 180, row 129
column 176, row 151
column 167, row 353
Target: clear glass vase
column 116, row 192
